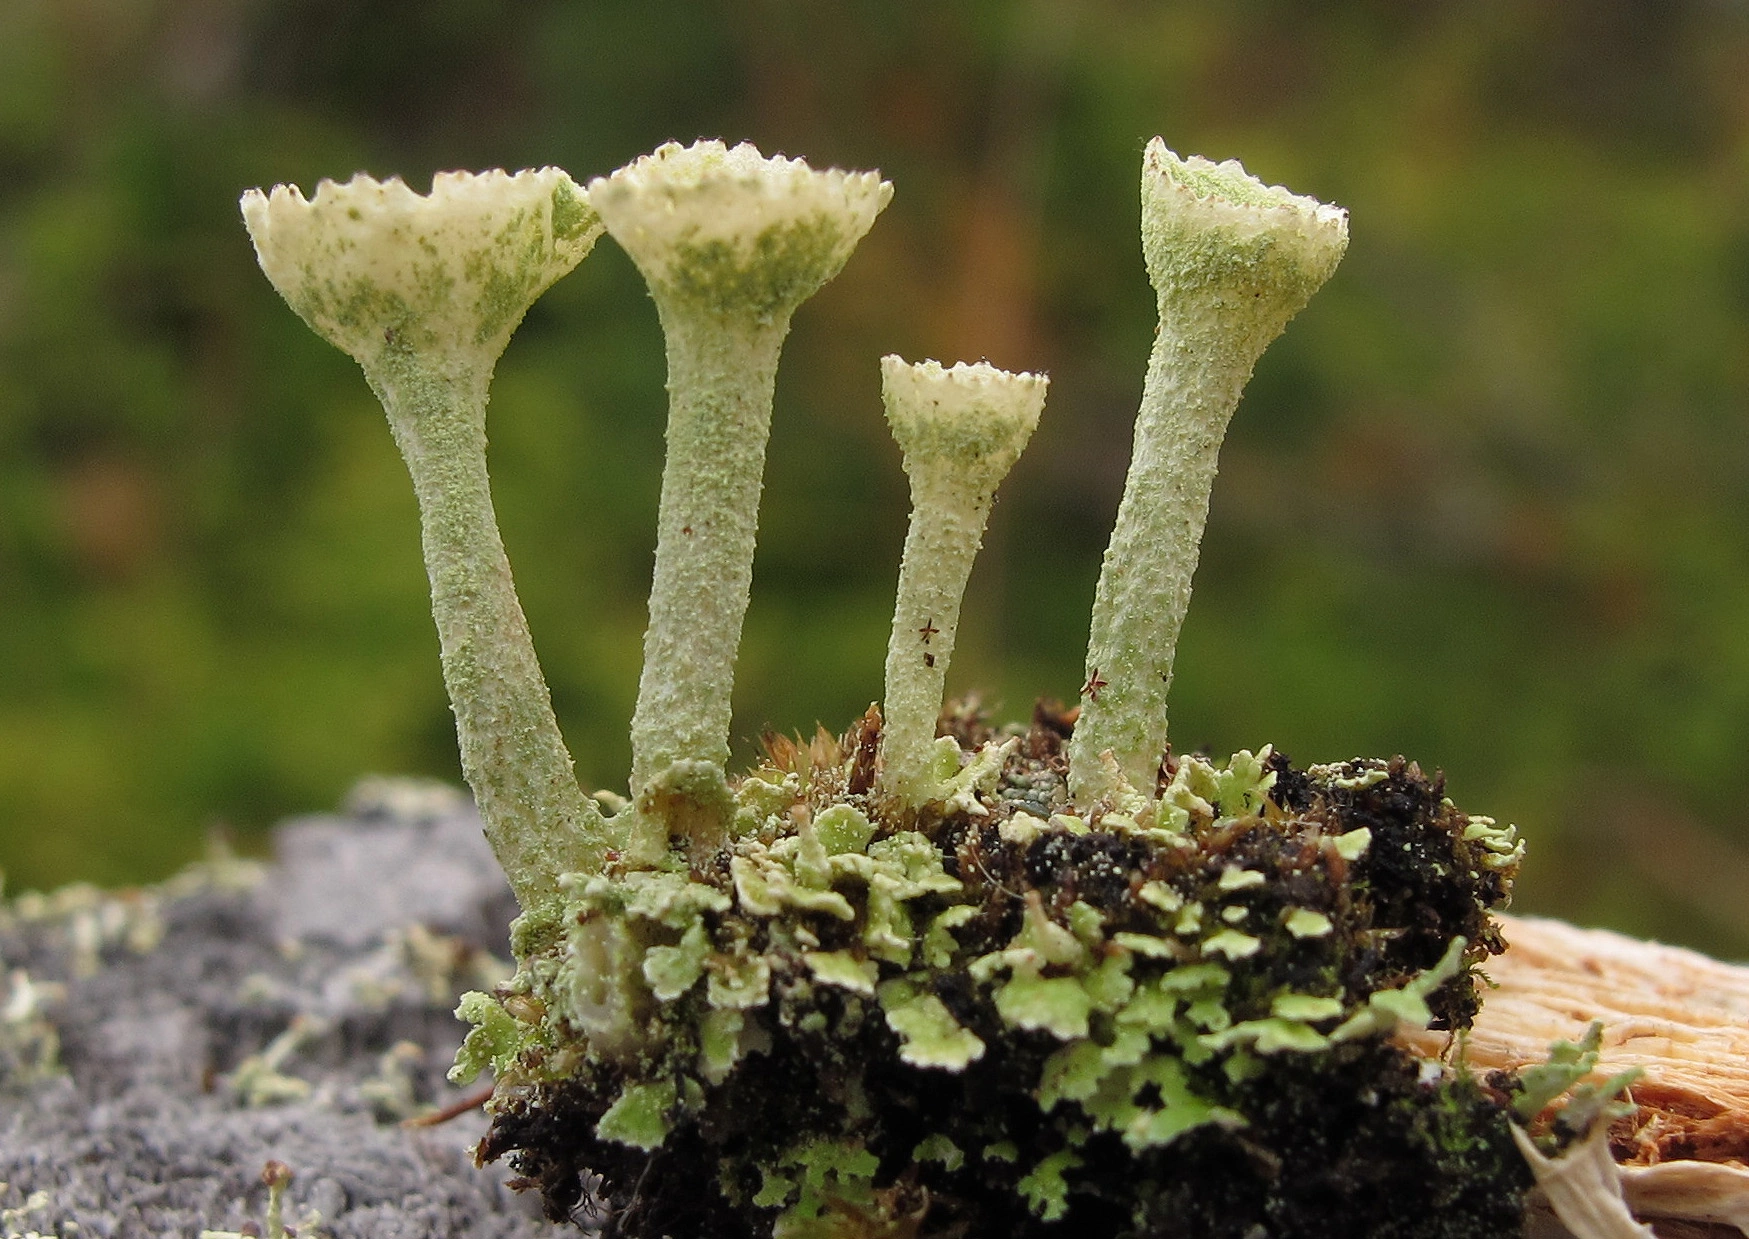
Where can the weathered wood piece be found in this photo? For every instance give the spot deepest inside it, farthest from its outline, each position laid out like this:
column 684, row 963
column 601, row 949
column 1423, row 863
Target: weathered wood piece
column 1683, row 1019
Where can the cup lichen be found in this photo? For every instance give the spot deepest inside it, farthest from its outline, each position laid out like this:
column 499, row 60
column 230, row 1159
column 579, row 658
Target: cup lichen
column 961, row 429
column 1231, row 260
column 424, row 291
column 928, row 977
column 730, row 243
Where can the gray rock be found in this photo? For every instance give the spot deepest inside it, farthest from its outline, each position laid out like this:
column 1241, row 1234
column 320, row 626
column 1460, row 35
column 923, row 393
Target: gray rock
column 341, row 962
column 405, row 851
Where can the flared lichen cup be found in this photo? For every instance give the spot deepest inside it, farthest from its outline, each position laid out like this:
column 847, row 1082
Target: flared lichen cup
column 424, row 291
column 372, row 265
column 730, row 232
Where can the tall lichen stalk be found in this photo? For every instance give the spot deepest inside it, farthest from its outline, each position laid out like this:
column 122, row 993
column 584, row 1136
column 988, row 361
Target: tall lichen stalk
column 512, row 754
column 720, row 380
column 1231, row 260
column 903, row 982
column 730, row 243
column 424, row 293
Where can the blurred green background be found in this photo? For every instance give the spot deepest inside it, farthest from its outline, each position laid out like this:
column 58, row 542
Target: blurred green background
column 1485, row 503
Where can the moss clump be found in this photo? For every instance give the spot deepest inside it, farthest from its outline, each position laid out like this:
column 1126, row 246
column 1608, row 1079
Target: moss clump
column 994, row 1014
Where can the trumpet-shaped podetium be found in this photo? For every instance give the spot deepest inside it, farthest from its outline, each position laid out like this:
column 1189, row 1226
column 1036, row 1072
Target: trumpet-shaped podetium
column 730, row 243
column 379, row 270
column 961, row 430
column 424, row 292
column 1231, row 260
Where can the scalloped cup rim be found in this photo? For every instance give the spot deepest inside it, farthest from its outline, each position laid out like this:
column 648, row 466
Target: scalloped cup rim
column 672, row 168
column 1168, row 166
column 710, row 191
column 959, row 370
column 963, row 374
column 443, row 184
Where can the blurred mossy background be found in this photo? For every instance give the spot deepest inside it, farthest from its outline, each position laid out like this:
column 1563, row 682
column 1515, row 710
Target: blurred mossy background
column 1486, row 503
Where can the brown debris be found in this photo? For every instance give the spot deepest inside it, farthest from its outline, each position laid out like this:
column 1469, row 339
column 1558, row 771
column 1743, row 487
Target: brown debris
column 967, row 721
column 795, row 755
column 863, row 743
column 1680, row 1016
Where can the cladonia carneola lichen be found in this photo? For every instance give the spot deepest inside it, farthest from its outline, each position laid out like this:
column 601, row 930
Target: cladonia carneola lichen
column 1231, row 260
column 424, row 291
column 730, row 243
column 961, row 429
column 900, row 982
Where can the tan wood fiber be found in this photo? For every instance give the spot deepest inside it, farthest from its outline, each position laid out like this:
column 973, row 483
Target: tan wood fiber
column 1682, row 1018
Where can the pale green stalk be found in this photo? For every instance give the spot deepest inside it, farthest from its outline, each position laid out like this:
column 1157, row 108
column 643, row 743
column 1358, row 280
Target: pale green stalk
column 730, row 244
column 424, row 293
column 720, row 381
column 960, row 430
column 1231, row 260
column 277, row 1175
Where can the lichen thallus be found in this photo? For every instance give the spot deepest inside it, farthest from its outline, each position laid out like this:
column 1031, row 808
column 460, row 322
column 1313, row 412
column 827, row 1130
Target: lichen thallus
column 908, row 981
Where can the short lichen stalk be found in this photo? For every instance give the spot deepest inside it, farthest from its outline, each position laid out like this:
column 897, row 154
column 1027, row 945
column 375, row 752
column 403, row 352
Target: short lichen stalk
column 1231, row 260
column 730, row 244
column 960, row 430
column 424, row 293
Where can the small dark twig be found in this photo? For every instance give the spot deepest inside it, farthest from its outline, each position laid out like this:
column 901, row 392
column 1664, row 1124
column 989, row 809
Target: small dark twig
column 473, row 1101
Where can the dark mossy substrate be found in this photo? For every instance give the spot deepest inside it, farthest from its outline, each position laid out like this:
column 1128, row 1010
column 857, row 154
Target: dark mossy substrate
column 1354, row 1141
